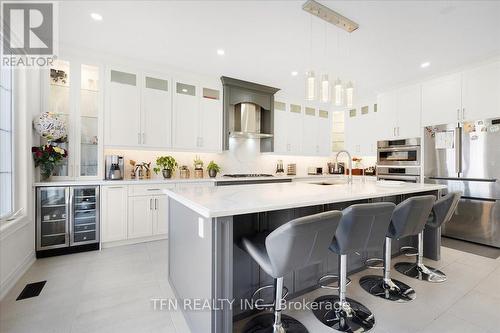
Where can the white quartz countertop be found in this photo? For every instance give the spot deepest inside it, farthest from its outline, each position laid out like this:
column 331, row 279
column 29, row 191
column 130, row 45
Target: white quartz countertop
column 243, row 199
column 180, row 181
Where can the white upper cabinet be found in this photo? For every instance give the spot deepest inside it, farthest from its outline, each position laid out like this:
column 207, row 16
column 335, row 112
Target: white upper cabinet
column 185, row 116
column 481, row 92
column 197, row 117
column 139, row 110
column 156, row 115
column 324, row 132
column 294, row 129
column 442, row 100
column 408, row 105
column 122, row 119
column 310, row 131
column 386, row 124
column 361, row 131
column 398, row 114
column 210, row 124
column 281, row 116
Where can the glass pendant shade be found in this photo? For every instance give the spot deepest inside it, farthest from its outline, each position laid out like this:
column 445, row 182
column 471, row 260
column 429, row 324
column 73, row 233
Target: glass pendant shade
column 339, row 92
column 325, row 89
column 310, row 86
column 349, row 94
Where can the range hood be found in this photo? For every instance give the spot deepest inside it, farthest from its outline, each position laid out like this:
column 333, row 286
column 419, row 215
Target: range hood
column 246, row 123
column 248, row 112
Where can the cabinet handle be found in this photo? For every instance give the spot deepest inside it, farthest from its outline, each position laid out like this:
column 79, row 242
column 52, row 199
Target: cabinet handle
column 139, row 138
column 463, row 114
column 153, row 189
column 143, row 138
column 201, row 142
column 458, row 114
column 151, row 204
column 115, row 186
column 156, row 204
column 394, row 131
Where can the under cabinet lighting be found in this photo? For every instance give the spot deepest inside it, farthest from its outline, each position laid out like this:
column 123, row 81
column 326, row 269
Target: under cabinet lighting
column 425, row 64
column 96, row 16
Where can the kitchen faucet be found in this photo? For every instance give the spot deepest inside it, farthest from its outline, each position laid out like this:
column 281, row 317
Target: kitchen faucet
column 349, row 177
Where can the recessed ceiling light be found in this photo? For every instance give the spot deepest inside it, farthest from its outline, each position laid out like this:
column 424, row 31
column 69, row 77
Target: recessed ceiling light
column 425, row 64
column 295, row 73
column 220, row 52
column 96, row 16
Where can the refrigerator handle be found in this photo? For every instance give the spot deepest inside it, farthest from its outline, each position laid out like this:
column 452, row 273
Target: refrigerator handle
column 458, row 150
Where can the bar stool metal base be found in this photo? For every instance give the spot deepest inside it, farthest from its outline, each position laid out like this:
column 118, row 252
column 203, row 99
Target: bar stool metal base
column 361, row 319
column 420, row 272
column 264, row 324
column 399, row 292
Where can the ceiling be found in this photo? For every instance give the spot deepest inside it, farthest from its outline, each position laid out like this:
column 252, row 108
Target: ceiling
column 264, row 41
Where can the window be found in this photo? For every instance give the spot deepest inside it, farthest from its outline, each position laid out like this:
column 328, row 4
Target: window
column 338, row 131
column 6, row 141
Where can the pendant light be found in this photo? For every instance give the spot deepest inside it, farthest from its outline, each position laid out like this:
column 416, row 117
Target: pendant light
column 339, row 93
column 310, row 86
column 325, row 89
column 310, row 76
column 349, row 92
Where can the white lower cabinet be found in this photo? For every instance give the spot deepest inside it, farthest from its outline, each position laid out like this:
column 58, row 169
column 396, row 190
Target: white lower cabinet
column 160, row 220
column 140, row 216
column 114, row 201
column 135, row 212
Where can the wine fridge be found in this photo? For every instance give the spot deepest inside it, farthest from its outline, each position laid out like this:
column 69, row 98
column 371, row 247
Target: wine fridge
column 67, row 219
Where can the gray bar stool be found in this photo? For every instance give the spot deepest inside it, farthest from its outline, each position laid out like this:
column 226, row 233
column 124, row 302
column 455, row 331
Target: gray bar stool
column 408, row 219
column 362, row 227
column 296, row 244
column 442, row 211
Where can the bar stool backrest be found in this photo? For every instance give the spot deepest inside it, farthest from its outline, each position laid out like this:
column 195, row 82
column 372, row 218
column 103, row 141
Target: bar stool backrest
column 301, row 242
column 443, row 209
column 410, row 216
column 363, row 227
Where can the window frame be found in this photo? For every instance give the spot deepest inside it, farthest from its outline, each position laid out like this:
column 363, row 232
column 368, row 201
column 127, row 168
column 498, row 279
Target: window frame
column 12, row 133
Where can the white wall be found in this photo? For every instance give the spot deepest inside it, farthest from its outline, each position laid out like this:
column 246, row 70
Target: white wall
column 17, row 239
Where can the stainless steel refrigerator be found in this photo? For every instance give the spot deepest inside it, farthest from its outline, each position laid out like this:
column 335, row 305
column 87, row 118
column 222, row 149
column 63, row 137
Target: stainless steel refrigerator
column 466, row 157
column 67, row 219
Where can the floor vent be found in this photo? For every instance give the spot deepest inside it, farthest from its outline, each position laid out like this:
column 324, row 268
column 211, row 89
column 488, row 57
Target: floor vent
column 31, row 290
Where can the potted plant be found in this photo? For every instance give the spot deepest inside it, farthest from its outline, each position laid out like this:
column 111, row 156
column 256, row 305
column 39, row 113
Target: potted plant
column 166, row 164
column 48, row 157
column 198, row 167
column 213, row 168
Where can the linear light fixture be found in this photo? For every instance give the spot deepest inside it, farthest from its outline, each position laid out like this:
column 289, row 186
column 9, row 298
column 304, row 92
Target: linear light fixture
column 329, row 15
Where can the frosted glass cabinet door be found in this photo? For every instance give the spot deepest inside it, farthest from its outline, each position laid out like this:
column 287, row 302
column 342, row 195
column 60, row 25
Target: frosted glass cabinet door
column 122, row 120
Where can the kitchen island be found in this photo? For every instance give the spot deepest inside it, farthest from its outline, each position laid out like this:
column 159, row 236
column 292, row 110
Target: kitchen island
column 206, row 266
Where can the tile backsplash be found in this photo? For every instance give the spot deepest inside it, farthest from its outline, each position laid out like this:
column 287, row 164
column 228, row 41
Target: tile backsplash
column 244, row 156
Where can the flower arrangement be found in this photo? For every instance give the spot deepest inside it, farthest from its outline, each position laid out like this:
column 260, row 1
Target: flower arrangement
column 48, row 157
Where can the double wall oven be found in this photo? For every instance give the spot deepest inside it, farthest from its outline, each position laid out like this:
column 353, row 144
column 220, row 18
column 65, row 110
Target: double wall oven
column 399, row 160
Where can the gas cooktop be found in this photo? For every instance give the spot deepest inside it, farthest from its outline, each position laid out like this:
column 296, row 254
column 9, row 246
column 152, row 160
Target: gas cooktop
column 248, row 175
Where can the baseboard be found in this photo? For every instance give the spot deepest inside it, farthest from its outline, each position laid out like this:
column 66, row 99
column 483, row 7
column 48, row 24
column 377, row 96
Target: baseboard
column 133, row 241
column 16, row 274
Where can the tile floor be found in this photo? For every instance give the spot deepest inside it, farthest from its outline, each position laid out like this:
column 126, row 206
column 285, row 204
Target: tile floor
column 111, row 291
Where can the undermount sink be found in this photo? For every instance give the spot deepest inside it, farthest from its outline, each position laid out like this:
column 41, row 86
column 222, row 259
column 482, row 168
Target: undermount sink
column 331, row 182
